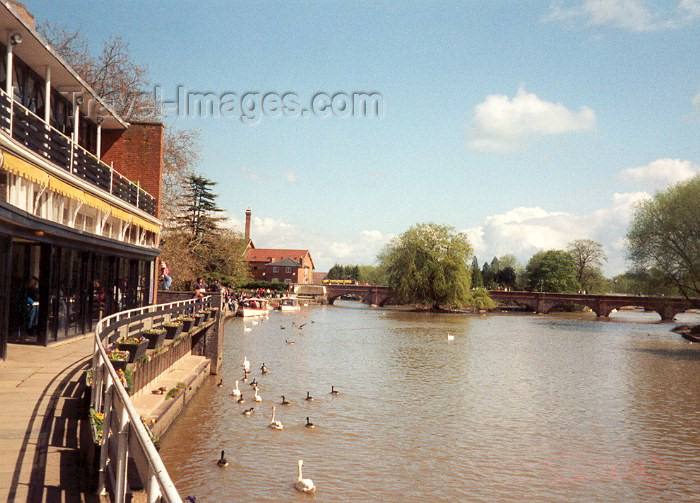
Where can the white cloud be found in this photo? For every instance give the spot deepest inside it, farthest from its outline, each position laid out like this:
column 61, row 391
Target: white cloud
column 631, row 15
column 660, row 173
column 524, row 231
column 501, row 123
column 291, row 177
column 252, row 174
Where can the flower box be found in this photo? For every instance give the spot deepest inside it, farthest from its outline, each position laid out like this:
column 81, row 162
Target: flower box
column 118, row 359
column 205, row 315
column 172, row 329
column 155, row 337
column 198, row 319
column 187, row 324
column 136, row 346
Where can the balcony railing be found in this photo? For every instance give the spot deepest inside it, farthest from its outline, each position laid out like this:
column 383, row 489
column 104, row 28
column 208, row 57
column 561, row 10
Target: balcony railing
column 41, row 138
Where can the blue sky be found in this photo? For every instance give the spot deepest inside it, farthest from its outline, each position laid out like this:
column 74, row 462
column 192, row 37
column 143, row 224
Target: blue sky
column 527, row 124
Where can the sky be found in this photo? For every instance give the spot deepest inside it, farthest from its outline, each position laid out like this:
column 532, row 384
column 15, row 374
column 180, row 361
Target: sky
column 526, row 124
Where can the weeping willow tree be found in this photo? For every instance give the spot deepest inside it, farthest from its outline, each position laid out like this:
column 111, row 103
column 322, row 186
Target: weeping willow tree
column 429, row 264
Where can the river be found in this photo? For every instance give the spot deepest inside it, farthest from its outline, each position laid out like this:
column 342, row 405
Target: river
column 515, row 407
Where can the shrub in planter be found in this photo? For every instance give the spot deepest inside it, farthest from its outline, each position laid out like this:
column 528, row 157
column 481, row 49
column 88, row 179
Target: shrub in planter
column 136, row 346
column 205, row 315
column 187, row 324
column 172, row 328
column 155, row 337
column 198, row 319
column 118, row 359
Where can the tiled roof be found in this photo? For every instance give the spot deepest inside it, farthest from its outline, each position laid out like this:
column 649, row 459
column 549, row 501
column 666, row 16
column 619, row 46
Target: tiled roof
column 286, row 262
column 267, row 255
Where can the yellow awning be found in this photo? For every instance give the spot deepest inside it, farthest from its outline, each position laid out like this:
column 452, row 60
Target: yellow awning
column 22, row 168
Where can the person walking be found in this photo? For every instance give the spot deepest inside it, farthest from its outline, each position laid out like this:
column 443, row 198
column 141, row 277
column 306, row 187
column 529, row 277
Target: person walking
column 165, row 275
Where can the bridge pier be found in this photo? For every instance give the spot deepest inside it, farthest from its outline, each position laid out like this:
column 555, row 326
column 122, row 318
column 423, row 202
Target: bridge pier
column 667, row 312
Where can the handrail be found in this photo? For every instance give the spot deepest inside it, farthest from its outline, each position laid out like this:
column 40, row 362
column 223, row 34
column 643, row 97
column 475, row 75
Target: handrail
column 159, row 484
column 70, row 141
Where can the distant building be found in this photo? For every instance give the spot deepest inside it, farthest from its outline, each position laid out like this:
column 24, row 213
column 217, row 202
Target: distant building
column 79, row 195
column 319, row 277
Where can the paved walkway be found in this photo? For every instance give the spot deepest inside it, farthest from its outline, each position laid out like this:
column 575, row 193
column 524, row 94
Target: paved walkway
column 41, row 393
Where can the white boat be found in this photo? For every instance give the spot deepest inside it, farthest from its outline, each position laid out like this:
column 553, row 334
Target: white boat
column 253, row 307
column 289, row 304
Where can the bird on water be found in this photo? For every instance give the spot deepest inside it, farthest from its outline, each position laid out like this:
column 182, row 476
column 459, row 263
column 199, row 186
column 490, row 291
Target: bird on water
column 304, row 485
column 222, row 460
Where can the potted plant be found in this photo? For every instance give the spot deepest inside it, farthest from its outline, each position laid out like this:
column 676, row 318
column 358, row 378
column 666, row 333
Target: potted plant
column 155, row 337
column 172, row 329
column 214, row 311
column 205, row 315
column 187, row 324
column 136, row 346
column 118, row 359
column 197, row 319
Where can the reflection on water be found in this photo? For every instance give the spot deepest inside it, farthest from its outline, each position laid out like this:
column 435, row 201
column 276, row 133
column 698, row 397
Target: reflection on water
column 516, row 407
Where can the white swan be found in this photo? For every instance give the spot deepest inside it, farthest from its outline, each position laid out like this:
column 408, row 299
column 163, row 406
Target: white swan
column 275, row 425
column 247, row 329
column 304, row 485
column 450, row 337
column 258, row 398
column 246, row 364
column 236, row 392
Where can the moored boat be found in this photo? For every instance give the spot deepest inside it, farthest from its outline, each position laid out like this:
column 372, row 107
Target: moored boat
column 253, row 307
column 289, row 304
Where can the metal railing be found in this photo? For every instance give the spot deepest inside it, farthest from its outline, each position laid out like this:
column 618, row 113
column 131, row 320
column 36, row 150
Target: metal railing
column 43, row 139
column 123, row 433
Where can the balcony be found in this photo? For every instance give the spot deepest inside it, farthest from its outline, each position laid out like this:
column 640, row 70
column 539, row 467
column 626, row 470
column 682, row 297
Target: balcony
column 31, row 131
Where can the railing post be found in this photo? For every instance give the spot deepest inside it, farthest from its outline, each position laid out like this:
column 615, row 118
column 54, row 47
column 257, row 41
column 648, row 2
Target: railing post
column 111, row 177
column 152, row 489
column 122, row 455
column 104, row 448
column 138, row 192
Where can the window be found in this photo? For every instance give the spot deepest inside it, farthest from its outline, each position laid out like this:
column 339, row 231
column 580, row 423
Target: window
column 288, row 270
column 287, row 280
column 275, row 269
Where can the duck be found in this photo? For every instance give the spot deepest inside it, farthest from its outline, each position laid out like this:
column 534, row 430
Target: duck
column 245, row 378
column 289, row 342
column 258, row 398
column 333, row 391
column 450, row 337
column 222, row 460
column 221, row 384
column 246, row 364
column 241, row 399
column 275, row 425
column 236, row 391
column 285, row 401
column 254, row 384
column 308, row 397
column 309, row 424
column 248, row 412
column 263, row 369
column 304, row 485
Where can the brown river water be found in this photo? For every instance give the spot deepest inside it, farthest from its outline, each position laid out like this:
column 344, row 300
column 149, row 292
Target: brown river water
column 515, row 408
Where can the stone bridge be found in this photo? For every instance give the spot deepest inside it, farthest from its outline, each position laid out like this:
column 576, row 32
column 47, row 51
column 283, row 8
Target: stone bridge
column 601, row 305
column 539, row 302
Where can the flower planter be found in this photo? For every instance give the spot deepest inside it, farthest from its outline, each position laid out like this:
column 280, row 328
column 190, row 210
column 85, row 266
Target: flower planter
column 187, row 324
column 155, row 338
column 198, row 319
column 136, row 351
column 172, row 331
column 213, row 312
column 119, row 364
column 205, row 316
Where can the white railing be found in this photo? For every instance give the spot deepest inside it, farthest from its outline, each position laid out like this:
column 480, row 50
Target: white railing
column 129, row 438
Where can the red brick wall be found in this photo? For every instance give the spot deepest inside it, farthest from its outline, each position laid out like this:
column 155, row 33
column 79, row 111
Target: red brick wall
column 137, row 153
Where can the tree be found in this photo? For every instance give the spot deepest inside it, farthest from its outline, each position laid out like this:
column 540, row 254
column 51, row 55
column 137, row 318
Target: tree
column 588, row 258
column 198, row 216
column 373, row 275
column 495, row 266
column 181, row 154
column 552, row 271
column 477, row 279
column 508, row 260
column 664, row 235
column 506, row 277
column 487, row 276
column 428, row 264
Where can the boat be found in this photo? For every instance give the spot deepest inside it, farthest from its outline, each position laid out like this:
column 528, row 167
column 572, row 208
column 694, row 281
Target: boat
column 289, row 304
column 253, row 307
column 691, row 337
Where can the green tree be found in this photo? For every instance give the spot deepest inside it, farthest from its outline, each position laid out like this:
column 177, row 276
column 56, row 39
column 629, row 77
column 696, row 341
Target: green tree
column 487, row 276
column 588, row 258
column 199, row 214
column 506, row 277
column 335, row 272
column 508, row 260
column 665, row 235
column 372, row 274
column 495, row 266
column 552, row 271
column 477, row 279
column 428, row 264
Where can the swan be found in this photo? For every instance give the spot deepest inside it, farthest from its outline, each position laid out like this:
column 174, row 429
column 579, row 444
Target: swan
column 248, row 412
column 221, row 384
column 247, row 329
column 255, row 323
column 241, row 399
column 284, row 401
column 450, row 337
column 246, row 364
column 236, row 391
column 304, row 485
column 275, row 425
column 258, row 398
column 308, row 397
column 263, row 369
column 333, row 391
column 222, row 461
column 309, row 424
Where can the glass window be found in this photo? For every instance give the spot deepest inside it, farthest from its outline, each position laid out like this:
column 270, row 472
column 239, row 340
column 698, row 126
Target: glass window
column 288, row 270
column 275, row 269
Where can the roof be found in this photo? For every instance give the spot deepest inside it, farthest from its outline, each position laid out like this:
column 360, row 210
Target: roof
column 37, row 53
column 286, row 262
column 268, row 255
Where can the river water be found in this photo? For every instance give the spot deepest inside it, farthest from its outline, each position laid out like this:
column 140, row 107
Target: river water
column 516, row 407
